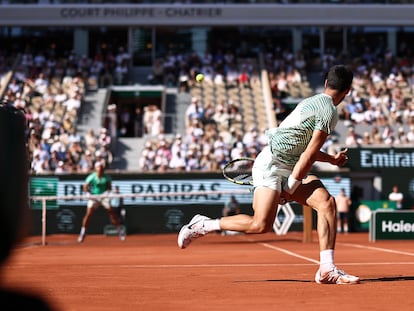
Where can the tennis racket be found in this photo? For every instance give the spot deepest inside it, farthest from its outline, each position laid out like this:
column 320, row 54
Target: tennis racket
column 239, row 171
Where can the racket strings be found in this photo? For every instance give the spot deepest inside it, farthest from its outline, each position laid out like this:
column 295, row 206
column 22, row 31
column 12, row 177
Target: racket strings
column 240, row 171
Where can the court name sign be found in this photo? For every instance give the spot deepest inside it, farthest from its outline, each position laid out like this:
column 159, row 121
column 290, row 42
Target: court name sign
column 391, row 225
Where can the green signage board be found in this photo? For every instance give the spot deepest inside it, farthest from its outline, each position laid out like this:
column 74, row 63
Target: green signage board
column 391, row 225
column 364, row 211
column 44, row 186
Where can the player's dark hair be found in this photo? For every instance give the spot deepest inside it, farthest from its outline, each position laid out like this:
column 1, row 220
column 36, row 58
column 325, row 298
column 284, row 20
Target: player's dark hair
column 339, row 77
column 13, row 178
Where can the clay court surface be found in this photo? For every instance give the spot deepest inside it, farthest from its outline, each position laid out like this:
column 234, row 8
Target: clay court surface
column 243, row 272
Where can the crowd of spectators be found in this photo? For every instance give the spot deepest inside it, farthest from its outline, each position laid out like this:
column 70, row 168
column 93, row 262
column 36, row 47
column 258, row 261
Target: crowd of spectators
column 378, row 112
column 209, row 139
column 219, row 67
column 202, row 148
column 51, row 89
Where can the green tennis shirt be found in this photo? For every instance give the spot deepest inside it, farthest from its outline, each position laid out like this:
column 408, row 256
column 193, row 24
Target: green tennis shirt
column 290, row 139
column 98, row 185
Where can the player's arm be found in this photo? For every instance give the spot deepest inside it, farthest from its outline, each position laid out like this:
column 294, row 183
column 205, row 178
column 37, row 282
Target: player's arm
column 311, row 154
column 86, row 187
column 338, row 159
column 109, row 185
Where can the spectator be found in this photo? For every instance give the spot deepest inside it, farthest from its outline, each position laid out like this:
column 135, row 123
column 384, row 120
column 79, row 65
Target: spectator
column 91, row 141
column 244, row 78
column 193, row 161
column 343, row 203
column 152, row 120
column 146, row 161
column 86, row 162
column 104, row 139
column 193, row 111
column 231, row 208
column 138, row 122
column 207, row 162
column 61, row 168
column 396, row 196
column 352, row 139
column 112, row 120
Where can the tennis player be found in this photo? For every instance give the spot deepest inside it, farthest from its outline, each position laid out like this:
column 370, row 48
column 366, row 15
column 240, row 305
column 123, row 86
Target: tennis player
column 284, row 165
column 98, row 183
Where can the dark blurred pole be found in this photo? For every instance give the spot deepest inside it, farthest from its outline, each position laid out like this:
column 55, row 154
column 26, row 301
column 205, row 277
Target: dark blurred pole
column 13, row 178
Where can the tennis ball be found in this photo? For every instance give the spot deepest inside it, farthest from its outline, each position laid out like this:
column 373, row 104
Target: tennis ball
column 199, row 77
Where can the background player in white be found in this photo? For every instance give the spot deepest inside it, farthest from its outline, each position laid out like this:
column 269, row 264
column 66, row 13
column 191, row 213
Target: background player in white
column 284, row 165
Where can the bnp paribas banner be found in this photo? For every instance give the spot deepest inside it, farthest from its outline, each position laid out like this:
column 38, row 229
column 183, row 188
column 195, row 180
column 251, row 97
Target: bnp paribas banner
column 394, row 165
column 68, row 191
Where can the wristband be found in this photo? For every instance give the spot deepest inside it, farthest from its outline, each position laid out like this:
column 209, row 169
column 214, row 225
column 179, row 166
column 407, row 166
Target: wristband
column 292, row 184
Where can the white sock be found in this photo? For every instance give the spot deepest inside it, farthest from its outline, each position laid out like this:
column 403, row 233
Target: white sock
column 326, row 260
column 345, row 228
column 212, row 225
column 83, row 230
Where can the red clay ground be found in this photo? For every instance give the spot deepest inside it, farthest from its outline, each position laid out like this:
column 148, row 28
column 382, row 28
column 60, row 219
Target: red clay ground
column 244, row 272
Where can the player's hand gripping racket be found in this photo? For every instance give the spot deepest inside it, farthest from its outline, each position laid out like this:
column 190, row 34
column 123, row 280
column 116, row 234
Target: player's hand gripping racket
column 239, row 171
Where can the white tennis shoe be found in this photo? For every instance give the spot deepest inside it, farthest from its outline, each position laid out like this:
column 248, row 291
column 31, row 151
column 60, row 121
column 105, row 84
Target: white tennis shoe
column 335, row 276
column 81, row 238
column 122, row 234
column 191, row 231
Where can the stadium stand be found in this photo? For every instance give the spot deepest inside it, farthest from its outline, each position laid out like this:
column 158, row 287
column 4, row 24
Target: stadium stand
column 52, row 93
column 63, row 94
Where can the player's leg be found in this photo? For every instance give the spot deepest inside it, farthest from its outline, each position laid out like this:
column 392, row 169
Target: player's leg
column 114, row 217
column 90, row 208
column 314, row 194
column 267, row 182
column 264, row 206
column 339, row 225
column 267, row 179
column 345, row 222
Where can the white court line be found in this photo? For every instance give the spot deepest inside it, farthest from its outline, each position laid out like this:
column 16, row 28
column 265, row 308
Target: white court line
column 386, row 250
column 345, row 244
column 28, row 246
column 249, row 265
column 282, row 250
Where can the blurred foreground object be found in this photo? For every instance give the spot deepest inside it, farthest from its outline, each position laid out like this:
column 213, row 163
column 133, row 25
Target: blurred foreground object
column 14, row 201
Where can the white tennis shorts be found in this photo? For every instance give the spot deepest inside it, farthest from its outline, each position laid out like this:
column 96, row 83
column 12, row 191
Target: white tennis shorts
column 105, row 202
column 268, row 171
